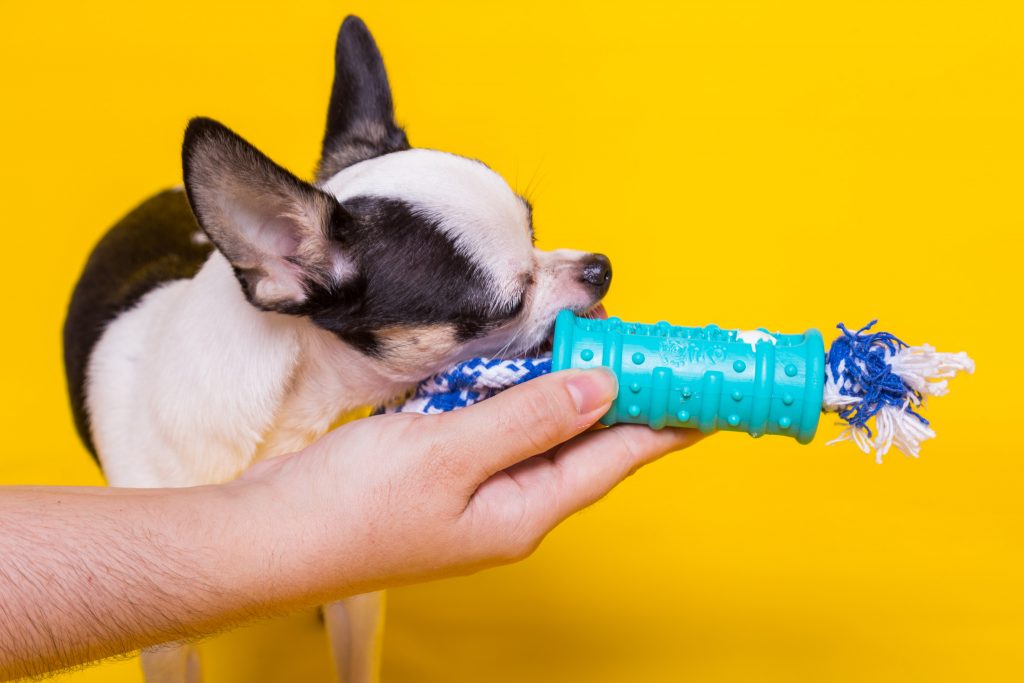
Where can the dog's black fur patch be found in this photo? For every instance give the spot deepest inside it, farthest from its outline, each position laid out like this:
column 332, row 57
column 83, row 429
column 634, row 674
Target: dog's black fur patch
column 150, row 246
column 407, row 273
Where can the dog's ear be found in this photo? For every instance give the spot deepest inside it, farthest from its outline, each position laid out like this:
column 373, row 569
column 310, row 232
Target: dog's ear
column 281, row 235
column 361, row 116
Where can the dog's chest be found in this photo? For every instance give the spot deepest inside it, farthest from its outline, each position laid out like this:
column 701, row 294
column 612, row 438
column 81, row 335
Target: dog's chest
column 314, row 401
column 194, row 385
column 330, row 382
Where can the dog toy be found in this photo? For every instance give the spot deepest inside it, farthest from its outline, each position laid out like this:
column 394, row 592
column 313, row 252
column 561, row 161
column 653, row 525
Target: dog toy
column 711, row 378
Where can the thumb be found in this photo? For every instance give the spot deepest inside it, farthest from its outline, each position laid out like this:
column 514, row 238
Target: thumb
column 526, row 420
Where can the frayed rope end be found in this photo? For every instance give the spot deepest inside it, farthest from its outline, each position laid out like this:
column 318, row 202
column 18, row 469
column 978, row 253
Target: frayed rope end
column 875, row 376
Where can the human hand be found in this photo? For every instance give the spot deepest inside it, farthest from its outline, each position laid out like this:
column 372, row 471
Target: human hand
column 393, row 499
column 376, row 503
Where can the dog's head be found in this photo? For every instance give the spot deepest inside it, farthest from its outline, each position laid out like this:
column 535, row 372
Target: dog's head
column 412, row 256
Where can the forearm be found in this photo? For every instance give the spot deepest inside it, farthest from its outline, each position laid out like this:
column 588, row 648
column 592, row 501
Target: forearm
column 87, row 573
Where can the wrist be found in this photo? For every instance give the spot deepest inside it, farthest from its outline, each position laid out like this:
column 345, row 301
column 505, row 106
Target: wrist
column 281, row 537
column 224, row 553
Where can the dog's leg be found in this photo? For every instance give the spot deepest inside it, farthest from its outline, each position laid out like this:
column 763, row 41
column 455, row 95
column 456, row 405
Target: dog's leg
column 355, row 627
column 172, row 663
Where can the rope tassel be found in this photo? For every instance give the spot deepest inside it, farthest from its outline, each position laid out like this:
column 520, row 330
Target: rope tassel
column 875, row 375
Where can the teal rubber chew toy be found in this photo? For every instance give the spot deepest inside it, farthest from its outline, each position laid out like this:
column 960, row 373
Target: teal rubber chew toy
column 707, row 378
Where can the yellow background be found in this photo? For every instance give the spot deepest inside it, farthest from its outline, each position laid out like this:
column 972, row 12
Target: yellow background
column 781, row 164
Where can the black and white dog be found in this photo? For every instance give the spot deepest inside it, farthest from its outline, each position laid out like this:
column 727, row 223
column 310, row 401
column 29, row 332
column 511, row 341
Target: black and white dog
column 237, row 320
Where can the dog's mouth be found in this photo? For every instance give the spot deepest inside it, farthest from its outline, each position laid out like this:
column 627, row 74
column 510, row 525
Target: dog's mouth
column 595, row 312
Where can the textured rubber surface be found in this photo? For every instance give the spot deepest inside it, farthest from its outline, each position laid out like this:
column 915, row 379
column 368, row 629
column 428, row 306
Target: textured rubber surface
column 703, row 377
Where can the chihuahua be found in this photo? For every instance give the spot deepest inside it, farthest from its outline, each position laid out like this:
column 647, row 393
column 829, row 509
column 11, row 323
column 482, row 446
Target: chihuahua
column 237, row 319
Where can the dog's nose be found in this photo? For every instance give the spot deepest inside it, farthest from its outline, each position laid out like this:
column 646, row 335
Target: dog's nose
column 597, row 272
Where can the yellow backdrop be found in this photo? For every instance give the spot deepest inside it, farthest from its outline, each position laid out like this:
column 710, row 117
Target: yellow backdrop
column 780, row 164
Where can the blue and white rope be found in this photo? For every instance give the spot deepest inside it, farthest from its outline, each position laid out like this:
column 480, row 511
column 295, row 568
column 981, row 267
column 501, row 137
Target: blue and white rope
column 470, row 382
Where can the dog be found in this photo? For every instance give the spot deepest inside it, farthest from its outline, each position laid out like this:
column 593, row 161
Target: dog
column 237, row 318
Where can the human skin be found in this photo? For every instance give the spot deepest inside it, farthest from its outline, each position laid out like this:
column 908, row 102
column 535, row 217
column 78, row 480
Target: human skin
column 87, row 573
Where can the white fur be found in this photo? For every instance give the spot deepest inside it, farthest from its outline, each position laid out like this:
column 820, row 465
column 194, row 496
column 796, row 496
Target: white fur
column 473, row 205
column 194, row 384
column 557, row 285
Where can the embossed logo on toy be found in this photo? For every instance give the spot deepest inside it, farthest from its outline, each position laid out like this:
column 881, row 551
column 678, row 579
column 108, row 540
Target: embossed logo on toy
column 679, row 352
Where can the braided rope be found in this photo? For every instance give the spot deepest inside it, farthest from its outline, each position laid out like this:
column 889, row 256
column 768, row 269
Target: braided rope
column 470, row 382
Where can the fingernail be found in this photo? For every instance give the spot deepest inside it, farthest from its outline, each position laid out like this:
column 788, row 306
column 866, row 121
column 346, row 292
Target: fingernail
column 592, row 389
